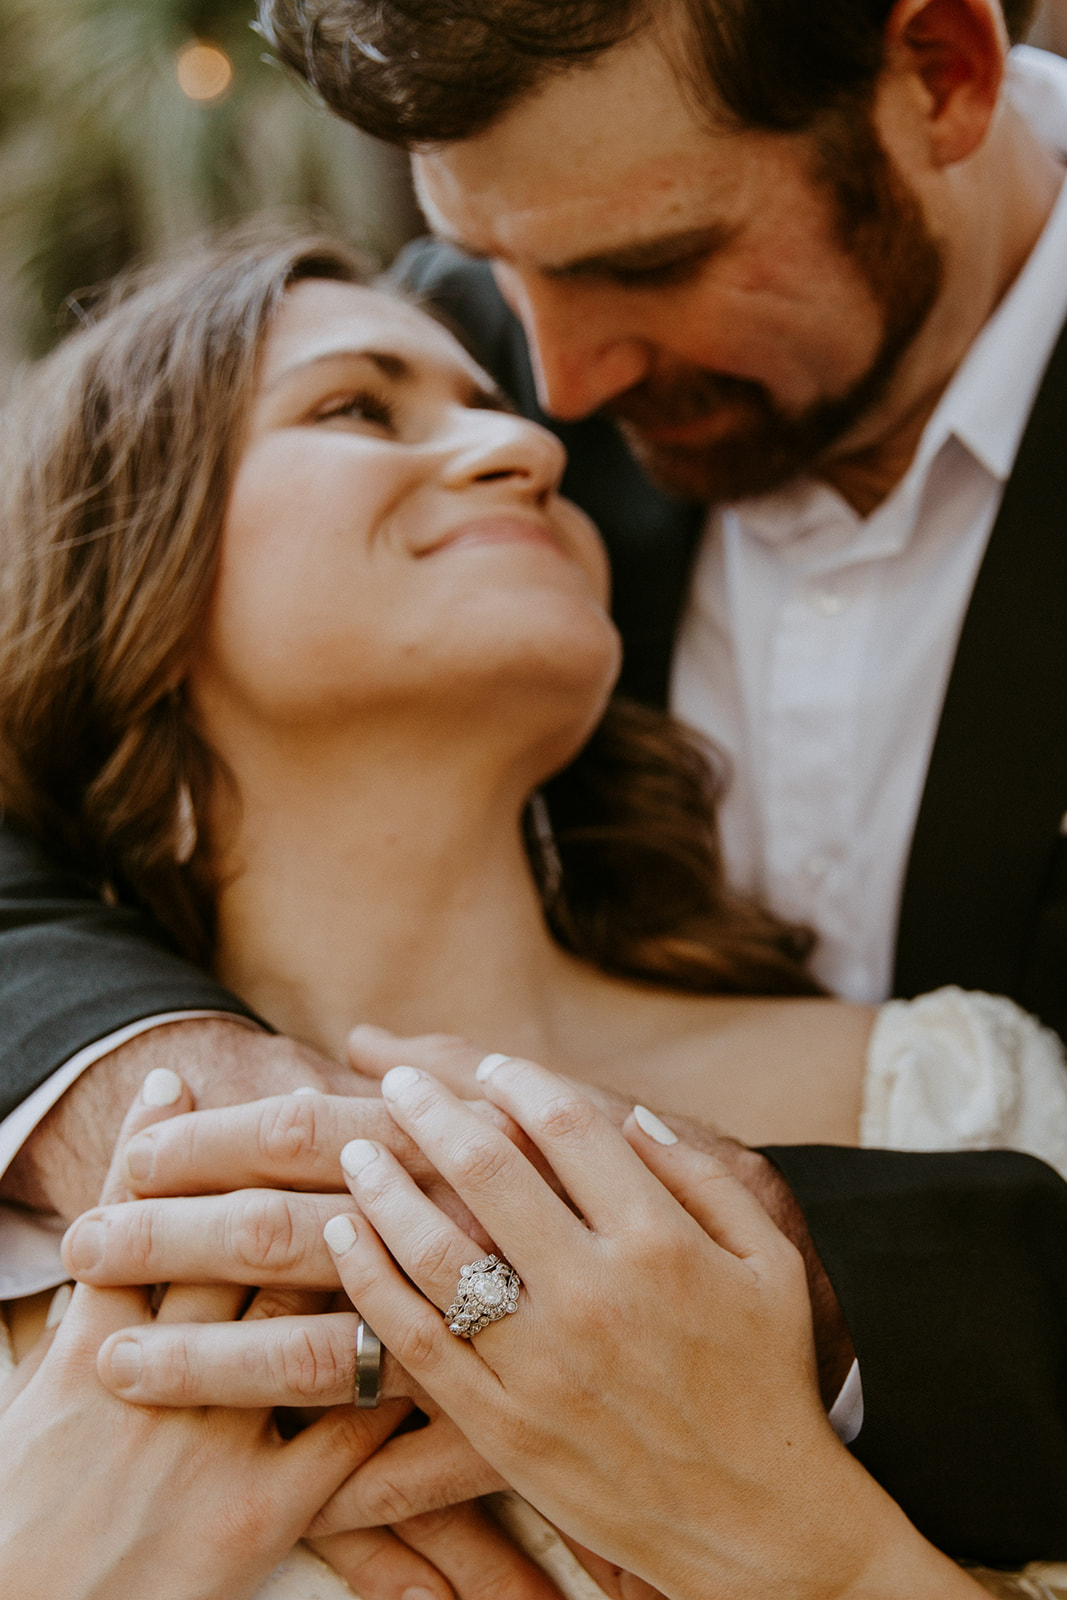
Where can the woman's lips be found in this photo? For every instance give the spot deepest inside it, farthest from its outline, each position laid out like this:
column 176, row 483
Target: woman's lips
column 496, row 530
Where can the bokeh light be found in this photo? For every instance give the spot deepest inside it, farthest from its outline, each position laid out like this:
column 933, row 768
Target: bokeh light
column 204, row 71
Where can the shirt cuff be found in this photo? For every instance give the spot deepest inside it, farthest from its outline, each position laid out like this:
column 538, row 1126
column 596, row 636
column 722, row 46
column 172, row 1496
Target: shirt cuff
column 846, row 1413
column 29, row 1241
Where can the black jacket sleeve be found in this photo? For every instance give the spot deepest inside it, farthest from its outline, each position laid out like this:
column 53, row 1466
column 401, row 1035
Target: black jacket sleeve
column 73, row 970
column 951, row 1270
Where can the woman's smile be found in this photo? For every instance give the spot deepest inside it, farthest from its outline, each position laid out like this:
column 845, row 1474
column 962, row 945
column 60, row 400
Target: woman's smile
column 498, row 529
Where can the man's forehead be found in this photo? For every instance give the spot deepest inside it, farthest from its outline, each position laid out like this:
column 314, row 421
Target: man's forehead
column 597, row 159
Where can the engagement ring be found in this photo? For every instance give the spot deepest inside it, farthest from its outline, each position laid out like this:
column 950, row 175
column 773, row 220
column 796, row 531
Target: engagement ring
column 488, row 1290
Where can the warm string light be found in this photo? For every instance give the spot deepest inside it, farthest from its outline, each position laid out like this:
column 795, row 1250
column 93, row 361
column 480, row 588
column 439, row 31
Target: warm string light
column 204, row 71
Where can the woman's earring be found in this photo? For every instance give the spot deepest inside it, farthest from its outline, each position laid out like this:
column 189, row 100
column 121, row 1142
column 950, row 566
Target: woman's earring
column 546, row 844
column 185, row 830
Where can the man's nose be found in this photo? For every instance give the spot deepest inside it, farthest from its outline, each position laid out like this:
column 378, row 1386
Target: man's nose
column 582, row 354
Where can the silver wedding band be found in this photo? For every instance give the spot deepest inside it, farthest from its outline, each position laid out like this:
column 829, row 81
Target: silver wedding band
column 368, row 1366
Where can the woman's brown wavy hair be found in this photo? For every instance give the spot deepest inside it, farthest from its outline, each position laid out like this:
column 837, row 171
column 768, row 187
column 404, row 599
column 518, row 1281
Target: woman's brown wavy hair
column 116, row 459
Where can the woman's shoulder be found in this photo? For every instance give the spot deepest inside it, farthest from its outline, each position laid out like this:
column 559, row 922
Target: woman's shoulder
column 763, row 1069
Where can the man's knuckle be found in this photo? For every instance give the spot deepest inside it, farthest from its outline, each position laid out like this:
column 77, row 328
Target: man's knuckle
column 389, row 1500
column 140, row 1242
column 308, row 1369
column 288, row 1132
column 432, row 1524
column 261, row 1233
column 169, row 1371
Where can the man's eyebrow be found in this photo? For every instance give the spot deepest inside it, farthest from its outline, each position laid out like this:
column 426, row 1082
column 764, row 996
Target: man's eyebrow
column 647, row 255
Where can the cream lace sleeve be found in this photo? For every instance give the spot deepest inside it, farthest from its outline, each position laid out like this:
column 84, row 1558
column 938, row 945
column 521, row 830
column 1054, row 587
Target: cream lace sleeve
column 955, row 1070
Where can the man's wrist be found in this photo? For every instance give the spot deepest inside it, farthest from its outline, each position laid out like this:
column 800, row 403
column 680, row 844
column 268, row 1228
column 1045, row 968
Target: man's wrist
column 61, row 1166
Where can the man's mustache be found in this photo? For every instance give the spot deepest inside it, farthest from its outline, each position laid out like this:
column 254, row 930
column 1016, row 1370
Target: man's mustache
column 690, row 396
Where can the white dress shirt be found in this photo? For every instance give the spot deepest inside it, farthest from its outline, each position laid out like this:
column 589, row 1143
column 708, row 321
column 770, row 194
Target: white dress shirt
column 817, row 644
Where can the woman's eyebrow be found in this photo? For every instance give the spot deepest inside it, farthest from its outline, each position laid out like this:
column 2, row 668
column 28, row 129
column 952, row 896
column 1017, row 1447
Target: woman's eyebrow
column 389, row 364
column 397, row 369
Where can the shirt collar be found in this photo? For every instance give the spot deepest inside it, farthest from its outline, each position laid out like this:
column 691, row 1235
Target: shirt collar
column 988, row 401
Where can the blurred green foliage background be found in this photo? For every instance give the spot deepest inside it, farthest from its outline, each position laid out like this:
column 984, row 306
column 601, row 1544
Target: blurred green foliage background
column 104, row 156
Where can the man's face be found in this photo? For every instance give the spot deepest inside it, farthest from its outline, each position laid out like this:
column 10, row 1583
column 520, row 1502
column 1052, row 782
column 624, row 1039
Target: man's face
column 740, row 302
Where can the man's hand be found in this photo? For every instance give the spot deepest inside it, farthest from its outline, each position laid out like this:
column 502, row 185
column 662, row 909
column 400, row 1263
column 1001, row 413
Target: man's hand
column 61, row 1166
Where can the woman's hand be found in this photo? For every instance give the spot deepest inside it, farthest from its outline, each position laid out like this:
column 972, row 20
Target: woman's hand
column 655, row 1393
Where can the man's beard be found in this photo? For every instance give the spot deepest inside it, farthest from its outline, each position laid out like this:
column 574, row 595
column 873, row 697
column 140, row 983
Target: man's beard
column 881, row 229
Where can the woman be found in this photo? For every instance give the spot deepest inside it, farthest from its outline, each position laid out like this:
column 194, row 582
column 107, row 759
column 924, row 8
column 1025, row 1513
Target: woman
column 295, row 624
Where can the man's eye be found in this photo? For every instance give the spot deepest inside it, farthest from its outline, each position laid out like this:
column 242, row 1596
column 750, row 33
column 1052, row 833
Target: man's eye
column 663, row 274
column 360, row 407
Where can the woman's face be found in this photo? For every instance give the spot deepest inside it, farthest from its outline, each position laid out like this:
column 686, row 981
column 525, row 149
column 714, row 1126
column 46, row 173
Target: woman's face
column 394, row 534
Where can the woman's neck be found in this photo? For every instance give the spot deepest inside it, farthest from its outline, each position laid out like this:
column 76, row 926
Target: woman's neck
column 378, row 886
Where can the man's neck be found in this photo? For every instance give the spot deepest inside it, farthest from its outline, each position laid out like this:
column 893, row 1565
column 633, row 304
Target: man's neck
column 1003, row 203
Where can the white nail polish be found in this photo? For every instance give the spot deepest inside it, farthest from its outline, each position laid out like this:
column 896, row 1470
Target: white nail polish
column 399, row 1079
column 339, row 1234
column 488, row 1066
column 58, row 1306
column 649, row 1123
column 162, row 1087
column 357, row 1154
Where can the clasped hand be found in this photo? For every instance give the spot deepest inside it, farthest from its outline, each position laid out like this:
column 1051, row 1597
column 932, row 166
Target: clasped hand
column 655, row 1393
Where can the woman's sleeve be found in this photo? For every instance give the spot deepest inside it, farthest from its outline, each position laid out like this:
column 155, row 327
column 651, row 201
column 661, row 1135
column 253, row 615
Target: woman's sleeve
column 73, row 970
column 955, row 1070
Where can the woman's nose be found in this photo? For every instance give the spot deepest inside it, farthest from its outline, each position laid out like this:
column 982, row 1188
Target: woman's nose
column 500, row 447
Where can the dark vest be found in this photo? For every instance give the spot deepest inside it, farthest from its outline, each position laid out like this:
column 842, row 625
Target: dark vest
column 985, row 896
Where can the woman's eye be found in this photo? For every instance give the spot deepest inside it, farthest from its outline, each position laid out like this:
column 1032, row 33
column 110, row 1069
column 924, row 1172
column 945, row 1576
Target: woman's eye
column 360, row 407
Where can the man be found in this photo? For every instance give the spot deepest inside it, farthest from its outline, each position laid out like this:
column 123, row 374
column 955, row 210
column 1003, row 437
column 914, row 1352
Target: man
column 768, row 238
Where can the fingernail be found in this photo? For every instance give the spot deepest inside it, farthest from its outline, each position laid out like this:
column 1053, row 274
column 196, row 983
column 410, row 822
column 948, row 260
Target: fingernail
column 84, row 1245
column 488, row 1065
column 162, row 1087
column 399, row 1080
column 124, row 1362
column 307, row 1088
column 339, row 1234
column 59, row 1303
column 649, row 1123
column 357, row 1154
column 140, row 1159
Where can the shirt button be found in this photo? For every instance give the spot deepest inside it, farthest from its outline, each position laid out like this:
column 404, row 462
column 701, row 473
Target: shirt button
column 828, row 603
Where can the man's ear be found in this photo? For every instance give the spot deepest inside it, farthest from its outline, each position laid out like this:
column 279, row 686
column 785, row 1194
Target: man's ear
column 957, row 49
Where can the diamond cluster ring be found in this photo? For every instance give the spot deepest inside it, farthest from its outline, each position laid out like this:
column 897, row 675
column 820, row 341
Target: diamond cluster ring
column 487, row 1290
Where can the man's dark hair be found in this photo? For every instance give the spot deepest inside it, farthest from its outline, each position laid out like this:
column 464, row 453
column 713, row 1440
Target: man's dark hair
column 423, row 72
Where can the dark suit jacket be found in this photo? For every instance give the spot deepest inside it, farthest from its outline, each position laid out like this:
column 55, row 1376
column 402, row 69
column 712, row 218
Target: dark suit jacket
column 951, row 1269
